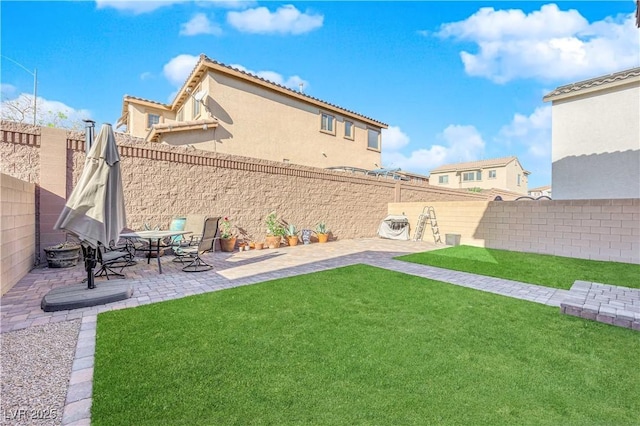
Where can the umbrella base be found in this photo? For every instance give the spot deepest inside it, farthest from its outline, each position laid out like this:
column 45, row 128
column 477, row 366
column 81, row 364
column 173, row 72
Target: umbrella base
column 77, row 296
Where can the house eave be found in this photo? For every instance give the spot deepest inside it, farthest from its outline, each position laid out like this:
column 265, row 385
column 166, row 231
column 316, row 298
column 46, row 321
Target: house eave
column 158, row 130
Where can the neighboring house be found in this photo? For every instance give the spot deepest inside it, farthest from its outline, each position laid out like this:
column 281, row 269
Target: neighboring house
column 595, row 137
column 502, row 173
column 223, row 109
column 541, row 191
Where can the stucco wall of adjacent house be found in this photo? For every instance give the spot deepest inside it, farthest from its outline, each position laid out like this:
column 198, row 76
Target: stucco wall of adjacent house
column 596, row 144
column 138, row 115
column 257, row 122
column 506, row 178
column 512, row 170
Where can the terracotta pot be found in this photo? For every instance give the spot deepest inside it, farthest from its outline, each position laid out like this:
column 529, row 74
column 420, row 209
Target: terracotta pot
column 322, row 238
column 292, row 240
column 228, row 244
column 272, row 242
column 259, row 246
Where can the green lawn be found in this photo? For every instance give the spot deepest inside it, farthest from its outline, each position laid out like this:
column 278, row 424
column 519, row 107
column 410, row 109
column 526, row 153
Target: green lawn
column 541, row 269
column 360, row 345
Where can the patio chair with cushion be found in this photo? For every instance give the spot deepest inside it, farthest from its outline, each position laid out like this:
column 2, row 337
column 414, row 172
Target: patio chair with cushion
column 206, row 243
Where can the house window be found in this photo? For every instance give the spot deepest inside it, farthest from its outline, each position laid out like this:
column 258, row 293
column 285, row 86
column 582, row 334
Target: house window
column 152, row 119
column 443, row 179
column 492, row 174
column 373, row 139
column 180, row 116
column 327, row 123
column 348, row 129
column 518, row 179
column 471, row 176
column 196, row 105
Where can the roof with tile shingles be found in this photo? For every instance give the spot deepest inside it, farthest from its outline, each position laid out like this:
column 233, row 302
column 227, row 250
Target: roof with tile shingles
column 476, row 165
column 592, row 83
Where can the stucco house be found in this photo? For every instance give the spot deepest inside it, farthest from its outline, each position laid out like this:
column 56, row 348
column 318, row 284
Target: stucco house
column 595, row 134
column 227, row 110
column 502, row 173
column 541, row 191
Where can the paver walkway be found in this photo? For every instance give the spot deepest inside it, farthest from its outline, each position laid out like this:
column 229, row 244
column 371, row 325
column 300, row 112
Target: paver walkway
column 20, row 307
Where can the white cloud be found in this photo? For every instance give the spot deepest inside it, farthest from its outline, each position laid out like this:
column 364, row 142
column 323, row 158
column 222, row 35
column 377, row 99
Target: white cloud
column 8, row 90
column 136, row 7
column 200, row 24
column 292, row 82
column 146, row 76
column 460, row 143
column 548, row 44
column 178, row 69
column 394, row 138
column 58, row 114
column 285, row 20
column 531, row 132
column 228, row 4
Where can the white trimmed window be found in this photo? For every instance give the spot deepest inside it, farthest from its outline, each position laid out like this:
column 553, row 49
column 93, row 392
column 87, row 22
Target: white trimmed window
column 327, row 123
column 373, row 139
column 443, row 179
column 152, row 119
column 180, row 115
column 196, row 105
column 492, row 174
column 518, row 179
column 471, row 176
column 348, row 130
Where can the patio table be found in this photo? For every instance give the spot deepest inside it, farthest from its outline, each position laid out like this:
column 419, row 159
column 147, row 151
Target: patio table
column 150, row 236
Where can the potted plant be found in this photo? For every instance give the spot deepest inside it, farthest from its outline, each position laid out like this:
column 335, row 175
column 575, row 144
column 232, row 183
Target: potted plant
column 322, row 232
column 227, row 237
column 275, row 230
column 291, row 234
column 63, row 255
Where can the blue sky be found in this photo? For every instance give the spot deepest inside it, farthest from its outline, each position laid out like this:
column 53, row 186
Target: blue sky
column 455, row 81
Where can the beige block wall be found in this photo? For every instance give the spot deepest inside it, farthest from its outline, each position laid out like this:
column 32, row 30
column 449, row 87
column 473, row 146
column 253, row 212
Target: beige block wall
column 452, row 217
column 589, row 229
column 18, row 230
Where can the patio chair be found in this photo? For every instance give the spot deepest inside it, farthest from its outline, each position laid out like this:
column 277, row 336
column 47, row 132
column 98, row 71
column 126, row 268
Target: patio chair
column 111, row 259
column 206, row 243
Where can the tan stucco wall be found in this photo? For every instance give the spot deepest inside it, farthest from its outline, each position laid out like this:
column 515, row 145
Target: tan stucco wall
column 18, row 230
column 596, row 144
column 257, row 122
column 589, row 229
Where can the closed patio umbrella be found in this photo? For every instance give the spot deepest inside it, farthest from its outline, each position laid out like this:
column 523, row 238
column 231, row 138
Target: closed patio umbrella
column 95, row 211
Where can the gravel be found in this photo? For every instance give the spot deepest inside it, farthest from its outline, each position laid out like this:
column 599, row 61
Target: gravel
column 36, row 365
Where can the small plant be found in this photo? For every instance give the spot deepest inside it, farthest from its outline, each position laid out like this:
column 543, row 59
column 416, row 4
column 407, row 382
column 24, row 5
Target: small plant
column 226, row 230
column 290, row 230
column 321, row 228
column 274, row 226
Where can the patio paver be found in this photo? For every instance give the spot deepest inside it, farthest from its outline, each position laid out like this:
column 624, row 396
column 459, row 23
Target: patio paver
column 20, row 307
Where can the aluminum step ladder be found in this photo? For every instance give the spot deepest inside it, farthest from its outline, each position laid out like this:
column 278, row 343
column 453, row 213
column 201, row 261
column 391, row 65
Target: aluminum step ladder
column 428, row 214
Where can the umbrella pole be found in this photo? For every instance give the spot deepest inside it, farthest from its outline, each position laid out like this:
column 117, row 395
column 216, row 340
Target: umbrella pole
column 89, row 254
